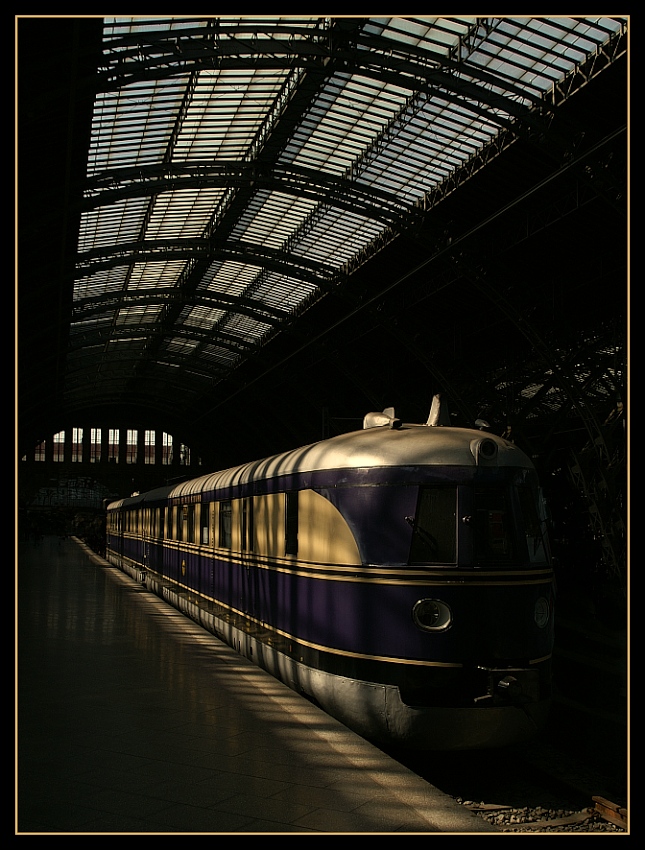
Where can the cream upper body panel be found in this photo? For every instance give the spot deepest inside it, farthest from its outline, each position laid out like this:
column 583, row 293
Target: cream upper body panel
column 323, row 534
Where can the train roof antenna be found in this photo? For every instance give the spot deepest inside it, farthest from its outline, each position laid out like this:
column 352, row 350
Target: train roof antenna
column 438, row 412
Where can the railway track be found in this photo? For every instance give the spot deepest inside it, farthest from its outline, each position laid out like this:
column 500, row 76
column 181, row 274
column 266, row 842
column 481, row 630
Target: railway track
column 574, row 776
column 554, row 790
column 530, row 789
column 601, row 816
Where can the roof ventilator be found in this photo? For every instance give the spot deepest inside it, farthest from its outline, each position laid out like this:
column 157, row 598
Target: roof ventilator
column 378, row 420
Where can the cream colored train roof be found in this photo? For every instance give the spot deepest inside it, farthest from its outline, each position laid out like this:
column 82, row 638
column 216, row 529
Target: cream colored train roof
column 411, row 445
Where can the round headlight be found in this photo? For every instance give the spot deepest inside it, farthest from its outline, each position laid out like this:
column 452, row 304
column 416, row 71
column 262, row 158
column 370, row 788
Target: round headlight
column 541, row 612
column 431, row 615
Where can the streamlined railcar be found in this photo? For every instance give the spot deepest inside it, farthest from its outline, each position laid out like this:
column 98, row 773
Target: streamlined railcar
column 399, row 576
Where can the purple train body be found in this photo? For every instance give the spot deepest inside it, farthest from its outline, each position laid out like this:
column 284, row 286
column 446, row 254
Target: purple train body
column 399, row 575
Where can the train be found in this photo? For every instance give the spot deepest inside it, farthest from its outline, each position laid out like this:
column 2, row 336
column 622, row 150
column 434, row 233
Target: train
column 399, row 576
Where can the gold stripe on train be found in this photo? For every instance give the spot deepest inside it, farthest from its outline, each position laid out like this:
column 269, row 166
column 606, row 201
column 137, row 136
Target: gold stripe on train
column 310, row 644
column 386, row 575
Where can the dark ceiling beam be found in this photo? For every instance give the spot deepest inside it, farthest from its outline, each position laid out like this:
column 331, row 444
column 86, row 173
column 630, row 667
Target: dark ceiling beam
column 537, row 337
column 159, row 379
column 89, row 369
column 96, row 337
column 117, row 184
column 98, row 304
column 115, row 406
column 181, row 51
column 212, row 249
column 342, row 39
column 498, row 110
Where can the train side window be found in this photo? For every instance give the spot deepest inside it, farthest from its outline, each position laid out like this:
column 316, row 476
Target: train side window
column 225, row 524
column 291, row 523
column 189, row 512
column 434, row 535
column 204, row 522
column 246, row 517
column 181, row 516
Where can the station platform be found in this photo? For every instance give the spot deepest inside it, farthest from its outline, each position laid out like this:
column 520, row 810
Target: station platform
column 131, row 718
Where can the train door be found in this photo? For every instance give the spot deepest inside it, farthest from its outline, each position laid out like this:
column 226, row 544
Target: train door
column 120, row 534
column 213, row 536
column 143, row 532
column 249, row 569
column 156, row 544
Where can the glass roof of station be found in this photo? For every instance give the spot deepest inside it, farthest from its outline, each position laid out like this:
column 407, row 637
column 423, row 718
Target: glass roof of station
column 239, row 168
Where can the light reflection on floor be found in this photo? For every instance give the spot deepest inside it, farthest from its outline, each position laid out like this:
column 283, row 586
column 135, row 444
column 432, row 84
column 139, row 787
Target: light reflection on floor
column 132, row 718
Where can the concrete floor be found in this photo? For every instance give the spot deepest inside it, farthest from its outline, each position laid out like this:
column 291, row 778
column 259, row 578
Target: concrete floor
column 133, row 719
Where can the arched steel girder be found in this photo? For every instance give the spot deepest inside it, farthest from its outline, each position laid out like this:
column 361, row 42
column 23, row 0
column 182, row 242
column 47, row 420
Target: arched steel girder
column 118, row 184
column 159, row 382
column 108, row 412
column 98, row 304
column 181, row 51
column 113, row 397
column 181, row 376
column 490, row 96
column 205, row 369
column 99, row 336
column 162, row 250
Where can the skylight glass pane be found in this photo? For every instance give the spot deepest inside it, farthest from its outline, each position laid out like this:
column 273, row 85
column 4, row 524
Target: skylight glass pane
column 110, row 281
column 137, row 315
column 154, row 275
column 226, row 110
column 230, row 278
column 273, row 218
column 183, row 213
column 203, row 317
column 108, row 226
column 134, row 126
column 329, row 133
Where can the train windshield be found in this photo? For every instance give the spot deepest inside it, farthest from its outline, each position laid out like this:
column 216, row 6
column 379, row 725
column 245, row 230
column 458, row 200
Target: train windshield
column 534, row 519
column 493, row 531
column 434, row 538
column 501, row 534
